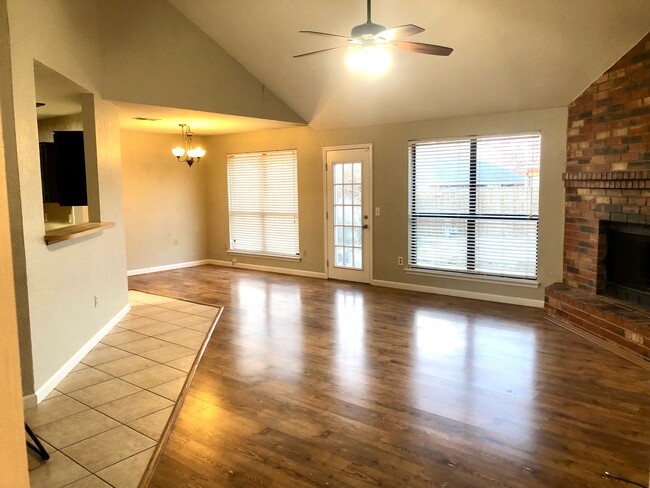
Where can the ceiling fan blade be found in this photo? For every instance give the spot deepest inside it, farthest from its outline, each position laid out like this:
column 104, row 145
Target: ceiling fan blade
column 400, row 31
column 321, row 51
column 316, row 33
column 418, row 47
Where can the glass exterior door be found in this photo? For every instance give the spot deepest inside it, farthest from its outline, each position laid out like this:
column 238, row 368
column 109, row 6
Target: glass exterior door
column 348, row 214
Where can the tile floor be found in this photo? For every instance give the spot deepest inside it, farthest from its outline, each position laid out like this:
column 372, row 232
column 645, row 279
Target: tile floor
column 103, row 420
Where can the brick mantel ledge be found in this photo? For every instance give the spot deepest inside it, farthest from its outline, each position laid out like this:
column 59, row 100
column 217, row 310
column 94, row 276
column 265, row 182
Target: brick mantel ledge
column 630, row 180
column 606, row 175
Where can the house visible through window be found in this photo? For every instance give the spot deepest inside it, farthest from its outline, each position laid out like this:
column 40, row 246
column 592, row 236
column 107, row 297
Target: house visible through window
column 263, row 203
column 473, row 205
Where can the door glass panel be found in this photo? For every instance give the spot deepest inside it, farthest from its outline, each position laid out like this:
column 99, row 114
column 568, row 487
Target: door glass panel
column 338, row 194
column 338, row 215
column 338, row 174
column 357, row 215
column 357, row 237
column 356, row 173
column 356, row 195
column 347, row 236
column 338, row 236
column 347, row 215
column 357, row 257
column 347, row 194
column 347, row 253
column 338, row 256
column 347, row 173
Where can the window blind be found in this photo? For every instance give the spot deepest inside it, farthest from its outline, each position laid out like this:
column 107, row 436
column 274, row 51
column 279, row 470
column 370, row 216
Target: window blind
column 263, row 203
column 473, row 205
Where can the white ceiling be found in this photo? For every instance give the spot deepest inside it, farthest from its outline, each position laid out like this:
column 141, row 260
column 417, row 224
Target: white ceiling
column 508, row 54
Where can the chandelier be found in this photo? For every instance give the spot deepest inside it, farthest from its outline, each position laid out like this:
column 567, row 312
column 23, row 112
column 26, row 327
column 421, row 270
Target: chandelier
column 185, row 153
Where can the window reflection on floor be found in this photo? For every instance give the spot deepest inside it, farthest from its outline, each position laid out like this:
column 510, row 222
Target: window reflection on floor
column 491, row 388
column 263, row 336
column 350, row 342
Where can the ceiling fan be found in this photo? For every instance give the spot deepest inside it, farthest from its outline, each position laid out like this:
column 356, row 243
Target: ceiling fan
column 370, row 34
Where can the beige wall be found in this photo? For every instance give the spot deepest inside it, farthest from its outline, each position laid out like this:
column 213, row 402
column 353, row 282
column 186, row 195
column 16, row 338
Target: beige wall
column 390, row 191
column 163, row 200
column 56, row 285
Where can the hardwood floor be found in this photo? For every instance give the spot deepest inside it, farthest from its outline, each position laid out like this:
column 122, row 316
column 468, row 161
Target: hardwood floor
column 314, row 383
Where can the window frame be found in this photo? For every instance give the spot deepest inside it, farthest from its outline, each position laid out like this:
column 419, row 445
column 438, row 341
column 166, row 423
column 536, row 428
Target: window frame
column 471, row 244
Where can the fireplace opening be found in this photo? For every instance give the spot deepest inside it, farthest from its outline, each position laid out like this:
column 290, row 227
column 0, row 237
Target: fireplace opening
column 628, row 263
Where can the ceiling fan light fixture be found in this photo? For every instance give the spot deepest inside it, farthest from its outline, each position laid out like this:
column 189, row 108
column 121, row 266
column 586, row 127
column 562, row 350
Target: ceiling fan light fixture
column 370, row 58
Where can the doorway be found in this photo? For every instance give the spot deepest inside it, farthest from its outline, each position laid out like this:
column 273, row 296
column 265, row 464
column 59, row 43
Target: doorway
column 348, row 216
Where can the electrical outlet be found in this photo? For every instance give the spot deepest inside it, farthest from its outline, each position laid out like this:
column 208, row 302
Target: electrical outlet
column 234, row 260
column 377, row 212
column 175, row 241
column 96, row 301
column 400, row 261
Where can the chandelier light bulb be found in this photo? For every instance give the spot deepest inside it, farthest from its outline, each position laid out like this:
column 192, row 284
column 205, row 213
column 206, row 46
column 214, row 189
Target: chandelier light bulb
column 178, row 151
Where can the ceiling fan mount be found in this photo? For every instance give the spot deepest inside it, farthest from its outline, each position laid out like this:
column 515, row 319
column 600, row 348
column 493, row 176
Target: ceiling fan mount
column 369, row 29
column 369, row 33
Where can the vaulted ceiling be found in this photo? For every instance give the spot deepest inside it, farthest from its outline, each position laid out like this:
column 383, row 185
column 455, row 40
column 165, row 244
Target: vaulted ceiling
column 509, row 55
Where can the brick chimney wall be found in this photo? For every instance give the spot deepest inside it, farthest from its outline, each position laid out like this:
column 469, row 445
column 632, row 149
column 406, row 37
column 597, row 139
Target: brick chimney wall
column 607, row 179
column 608, row 164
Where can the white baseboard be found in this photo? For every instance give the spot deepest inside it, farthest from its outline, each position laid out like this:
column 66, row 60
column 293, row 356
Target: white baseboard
column 167, row 267
column 36, row 398
column 270, row 269
column 528, row 302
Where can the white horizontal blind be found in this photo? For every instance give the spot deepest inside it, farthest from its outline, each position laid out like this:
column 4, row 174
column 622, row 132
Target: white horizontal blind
column 263, row 203
column 473, row 205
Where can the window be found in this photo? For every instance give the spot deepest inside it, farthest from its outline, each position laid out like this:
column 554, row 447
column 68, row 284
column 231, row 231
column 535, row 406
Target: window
column 263, row 203
column 473, row 205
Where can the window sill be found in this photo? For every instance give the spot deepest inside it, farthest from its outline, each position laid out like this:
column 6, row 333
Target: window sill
column 265, row 256
column 475, row 278
column 75, row 231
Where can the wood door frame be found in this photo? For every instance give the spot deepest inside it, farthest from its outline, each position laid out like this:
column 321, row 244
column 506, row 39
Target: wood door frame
column 371, row 213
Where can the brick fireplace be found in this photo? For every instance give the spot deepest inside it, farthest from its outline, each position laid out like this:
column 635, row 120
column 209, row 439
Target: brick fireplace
column 607, row 193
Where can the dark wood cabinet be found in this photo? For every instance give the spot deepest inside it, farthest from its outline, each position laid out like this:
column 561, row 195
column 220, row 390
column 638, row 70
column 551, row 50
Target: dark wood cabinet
column 63, row 169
